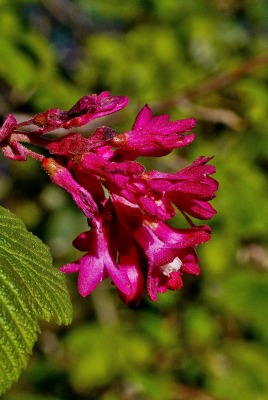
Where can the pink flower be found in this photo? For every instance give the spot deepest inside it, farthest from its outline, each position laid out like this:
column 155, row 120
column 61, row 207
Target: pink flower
column 113, row 175
column 153, row 136
column 62, row 177
column 110, row 252
column 85, row 110
column 74, row 144
column 190, row 189
column 98, row 263
column 10, row 140
column 127, row 208
column 170, row 253
column 165, row 253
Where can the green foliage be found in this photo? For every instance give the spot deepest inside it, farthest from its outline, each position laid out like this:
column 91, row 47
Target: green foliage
column 243, row 296
column 143, row 54
column 31, row 397
column 30, row 68
column 210, row 339
column 96, row 360
column 238, row 373
column 30, row 290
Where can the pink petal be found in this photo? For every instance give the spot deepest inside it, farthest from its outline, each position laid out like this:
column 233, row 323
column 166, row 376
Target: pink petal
column 69, row 145
column 180, row 237
column 53, row 118
column 94, row 106
column 9, row 124
column 62, row 177
column 70, row 268
column 129, row 214
column 82, row 242
column 90, row 275
column 142, row 118
column 119, row 278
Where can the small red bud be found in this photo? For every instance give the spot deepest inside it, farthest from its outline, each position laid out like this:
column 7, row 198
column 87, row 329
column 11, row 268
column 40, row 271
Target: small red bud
column 51, row 166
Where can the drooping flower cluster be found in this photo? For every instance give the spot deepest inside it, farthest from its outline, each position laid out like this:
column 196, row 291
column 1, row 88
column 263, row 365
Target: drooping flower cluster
column 128, row 238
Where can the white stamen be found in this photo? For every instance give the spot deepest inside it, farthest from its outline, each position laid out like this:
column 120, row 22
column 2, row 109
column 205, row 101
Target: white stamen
column 173, row 266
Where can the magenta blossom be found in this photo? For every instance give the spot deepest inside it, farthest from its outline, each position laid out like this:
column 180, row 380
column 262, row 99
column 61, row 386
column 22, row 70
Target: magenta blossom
column 110, row 251
column 85, row 110
column 166, row 253
column 127, row 207
column 99, row 262
column 170, row 253
column 10, row 140
column 190, row 189
column 153, row 136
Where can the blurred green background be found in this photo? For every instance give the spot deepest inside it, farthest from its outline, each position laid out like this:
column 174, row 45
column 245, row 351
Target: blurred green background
column 206, row 59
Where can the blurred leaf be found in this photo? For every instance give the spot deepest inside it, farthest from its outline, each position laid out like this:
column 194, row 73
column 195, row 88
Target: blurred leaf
column 197, row 319
column 244, row 295
column 16, row 61
column 242, row 200
column 98, row 355
column 154, row 387
column 31, row 289
column 22, row 396
column 161, row 332
column 240, row 372
column 106, row 10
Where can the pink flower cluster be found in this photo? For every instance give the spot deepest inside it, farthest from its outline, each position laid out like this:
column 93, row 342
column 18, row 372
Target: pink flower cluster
column 128, row 238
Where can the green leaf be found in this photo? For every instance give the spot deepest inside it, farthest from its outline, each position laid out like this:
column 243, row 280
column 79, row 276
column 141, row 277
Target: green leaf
column 30, row 289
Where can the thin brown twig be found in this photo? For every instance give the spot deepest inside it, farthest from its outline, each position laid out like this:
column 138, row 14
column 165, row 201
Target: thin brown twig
column 214, row 84
column 215, row 115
